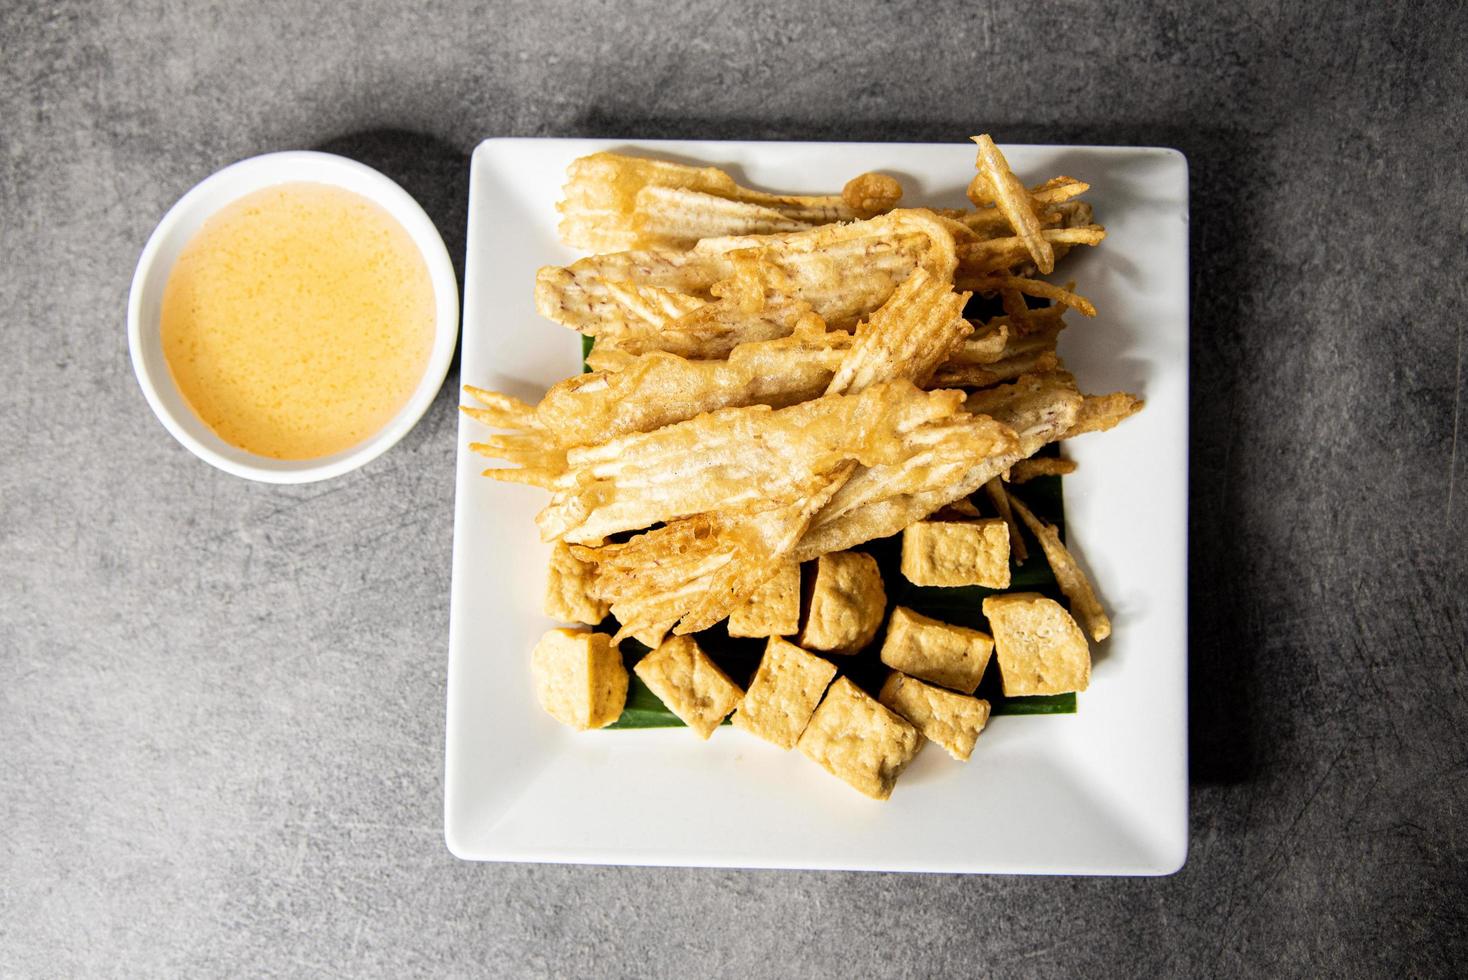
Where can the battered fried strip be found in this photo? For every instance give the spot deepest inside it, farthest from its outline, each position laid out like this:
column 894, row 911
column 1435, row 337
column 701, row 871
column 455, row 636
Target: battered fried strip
column 1030, row 287
column 994, row 490
column 918, row 328
column 1031, row 353
column 1102, row 412
column 1073, row 582
column 876, row 503
column 653, row 390
column 747, row 274
column 732, row 459
column 996, row 255
column 1028, row 469
column 712, row 331
column 1012, row 200
column 614, row 203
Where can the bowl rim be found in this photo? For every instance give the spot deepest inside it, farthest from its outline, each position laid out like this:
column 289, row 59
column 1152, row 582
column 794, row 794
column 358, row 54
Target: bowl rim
column 207, row 198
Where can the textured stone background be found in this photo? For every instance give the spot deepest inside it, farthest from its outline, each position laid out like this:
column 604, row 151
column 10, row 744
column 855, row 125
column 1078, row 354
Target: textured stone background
column 221, row 704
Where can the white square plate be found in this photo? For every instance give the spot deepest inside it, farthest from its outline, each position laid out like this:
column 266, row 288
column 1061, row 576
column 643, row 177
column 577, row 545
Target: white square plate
column 1103, row 791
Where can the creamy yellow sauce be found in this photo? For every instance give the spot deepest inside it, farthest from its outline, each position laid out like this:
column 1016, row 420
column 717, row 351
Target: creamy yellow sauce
column 298, row 320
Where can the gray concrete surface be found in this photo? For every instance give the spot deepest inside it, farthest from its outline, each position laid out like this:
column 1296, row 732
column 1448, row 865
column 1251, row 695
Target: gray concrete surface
column 221, row 704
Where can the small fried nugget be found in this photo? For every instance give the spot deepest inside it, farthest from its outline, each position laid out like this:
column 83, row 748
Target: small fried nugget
column 1040, row 648
column 689, row 683
column 1028, row 469
column 951, row 553
column 952, row 656
column 846, row 604
column 954, row 721
column 579, row 678
column 858, row 740
column 784, row 693
column 774, row 609
column 566, row 589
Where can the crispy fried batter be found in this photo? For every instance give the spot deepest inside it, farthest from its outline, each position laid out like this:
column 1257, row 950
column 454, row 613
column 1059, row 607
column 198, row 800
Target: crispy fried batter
column 732, row 459
column 1011, row 198
column 997, row 255
column 652, row 390
column 1102, row 412
column 1028, row 469
column 1024, row 353
column 772, row 279
column 1031, row 287
column 613, row 203
column 919, row 327
column 879, row 501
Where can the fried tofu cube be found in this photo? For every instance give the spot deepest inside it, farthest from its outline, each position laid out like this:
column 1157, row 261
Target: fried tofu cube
column 689, row 683
column 858, row 740
column 1040, row 648
column 774, row 609
column 566, row 589
column 846, row 605
column 579, row 678
column 784, row 693
column 952, row 720
column 952, row 656
column 951, row 553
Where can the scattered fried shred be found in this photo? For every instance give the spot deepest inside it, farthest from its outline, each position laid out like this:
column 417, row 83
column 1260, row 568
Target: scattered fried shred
column 1073, row 582
column 1028, row 469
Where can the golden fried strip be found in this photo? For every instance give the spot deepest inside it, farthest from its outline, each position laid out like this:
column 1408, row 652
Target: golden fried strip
column 985, row 345
column 732, row 459
column 714, row 330
column 918, row 328
column 1031, row 287
column 586, row 295
column 1102, row 412
column 877, row 502
column 614, row 203
column 1073, row 582
column 1028, row 469
column 653, row 390
column 1023, row 353
column 750, row 275
column 997, row 255
column 994, row 490
column 1011, row 198
column 499, row 410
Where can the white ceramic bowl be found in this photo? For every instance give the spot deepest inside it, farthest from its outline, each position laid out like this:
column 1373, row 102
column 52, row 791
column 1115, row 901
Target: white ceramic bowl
column 145, row 303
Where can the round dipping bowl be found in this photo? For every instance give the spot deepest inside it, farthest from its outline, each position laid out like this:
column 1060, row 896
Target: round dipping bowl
column 178, row 227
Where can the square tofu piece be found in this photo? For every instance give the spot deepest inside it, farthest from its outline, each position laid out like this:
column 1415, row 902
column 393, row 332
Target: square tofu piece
column 860, row 741
column 689, row 683
column 566, row 585
column 1041, row 650
column 950, row 553
column 952, row 720
column 774, row 609
column 579, row 678
column 847, row 603
column 952, row 656
column 784, row 693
